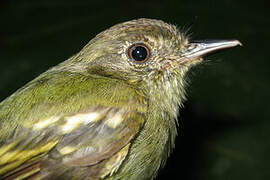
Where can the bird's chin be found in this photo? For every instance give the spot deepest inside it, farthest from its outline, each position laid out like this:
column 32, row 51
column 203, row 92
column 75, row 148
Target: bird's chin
column 177, row 67
column 190, row 61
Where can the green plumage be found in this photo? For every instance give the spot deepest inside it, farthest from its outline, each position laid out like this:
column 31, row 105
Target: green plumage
column 103, row 113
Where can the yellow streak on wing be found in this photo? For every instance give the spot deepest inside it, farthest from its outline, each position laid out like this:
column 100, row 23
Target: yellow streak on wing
column 24, row 176
column 16, row 158
column 6, row 148
column 73, row 122
column 67, row 150
column 115, row 161
column 45, row 123
column 115, row 120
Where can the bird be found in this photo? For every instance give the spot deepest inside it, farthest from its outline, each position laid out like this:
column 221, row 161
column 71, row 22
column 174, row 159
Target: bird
column 108, row 112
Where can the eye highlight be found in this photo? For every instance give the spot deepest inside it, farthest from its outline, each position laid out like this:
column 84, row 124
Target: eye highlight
column 139, row 53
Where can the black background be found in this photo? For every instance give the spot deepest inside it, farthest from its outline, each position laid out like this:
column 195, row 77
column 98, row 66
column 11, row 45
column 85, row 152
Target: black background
column 224, row 128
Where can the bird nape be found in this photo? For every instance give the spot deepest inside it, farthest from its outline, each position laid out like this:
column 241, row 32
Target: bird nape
column 108, row 112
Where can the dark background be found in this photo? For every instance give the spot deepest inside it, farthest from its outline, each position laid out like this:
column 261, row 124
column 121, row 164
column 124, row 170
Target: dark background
column 224, row 128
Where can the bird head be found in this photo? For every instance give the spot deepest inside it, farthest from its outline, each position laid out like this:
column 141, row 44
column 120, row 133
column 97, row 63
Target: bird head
column 148, row 54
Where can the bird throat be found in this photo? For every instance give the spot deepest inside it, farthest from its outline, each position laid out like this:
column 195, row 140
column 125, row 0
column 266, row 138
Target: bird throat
column 157, row 138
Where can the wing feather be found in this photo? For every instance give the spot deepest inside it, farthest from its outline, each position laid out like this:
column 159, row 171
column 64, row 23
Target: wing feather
column 89, row 138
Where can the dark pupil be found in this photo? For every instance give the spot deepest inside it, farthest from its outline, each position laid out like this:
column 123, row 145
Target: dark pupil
column 139, row 53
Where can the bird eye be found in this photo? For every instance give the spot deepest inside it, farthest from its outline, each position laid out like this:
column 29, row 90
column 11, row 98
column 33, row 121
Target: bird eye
column 139, row 53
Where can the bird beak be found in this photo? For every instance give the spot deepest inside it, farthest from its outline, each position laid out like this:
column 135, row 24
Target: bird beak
column 198, row 49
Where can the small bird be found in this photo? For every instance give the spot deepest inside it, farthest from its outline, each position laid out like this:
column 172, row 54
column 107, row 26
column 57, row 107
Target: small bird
column 108, row 112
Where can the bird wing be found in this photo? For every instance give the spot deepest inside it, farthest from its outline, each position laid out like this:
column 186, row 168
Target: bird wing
column 91, row 141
